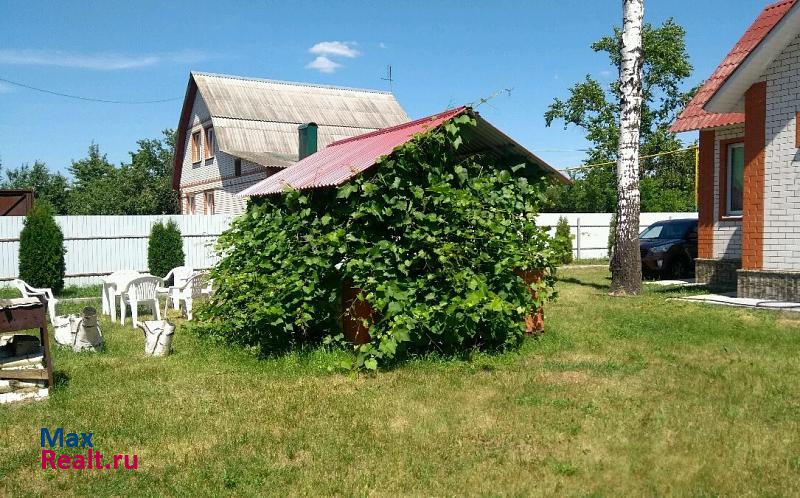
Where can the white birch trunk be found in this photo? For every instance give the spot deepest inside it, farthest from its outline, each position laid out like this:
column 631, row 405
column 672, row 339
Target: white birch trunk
column 626, row 265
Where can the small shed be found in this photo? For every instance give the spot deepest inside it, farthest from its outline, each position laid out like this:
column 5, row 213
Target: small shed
column 16, row 202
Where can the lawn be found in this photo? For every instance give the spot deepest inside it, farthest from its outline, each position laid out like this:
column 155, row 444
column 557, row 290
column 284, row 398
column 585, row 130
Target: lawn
column 621, row 396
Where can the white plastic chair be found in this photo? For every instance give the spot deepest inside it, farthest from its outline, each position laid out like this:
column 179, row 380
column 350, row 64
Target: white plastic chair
column 180, row 275
column 42, row 293
column 141, row 290
column 198, row 285
column 113, row 285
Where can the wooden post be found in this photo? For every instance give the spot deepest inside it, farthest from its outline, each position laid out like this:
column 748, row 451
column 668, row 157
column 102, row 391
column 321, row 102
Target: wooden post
column 534, row 323
column 354, row 312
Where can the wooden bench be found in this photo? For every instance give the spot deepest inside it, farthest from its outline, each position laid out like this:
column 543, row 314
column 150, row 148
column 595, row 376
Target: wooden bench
column 24, row 314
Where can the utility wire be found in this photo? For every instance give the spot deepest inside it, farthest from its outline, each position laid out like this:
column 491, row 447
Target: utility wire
column 89, row 99
column 608, row 163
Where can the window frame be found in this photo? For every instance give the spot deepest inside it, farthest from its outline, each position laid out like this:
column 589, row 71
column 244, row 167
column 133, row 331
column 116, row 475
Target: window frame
column 208, row 207
column 725, row 183
column 190, row 204
column 196, row 147
column 237, row 167
column 210, row 145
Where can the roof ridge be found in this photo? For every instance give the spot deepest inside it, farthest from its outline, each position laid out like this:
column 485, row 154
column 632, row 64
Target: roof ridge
column 319, row 123
column 694, row 116
column 454, row 112
column 290, row 83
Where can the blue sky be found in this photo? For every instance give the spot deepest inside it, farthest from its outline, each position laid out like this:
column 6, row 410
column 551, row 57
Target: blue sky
column 444, row 53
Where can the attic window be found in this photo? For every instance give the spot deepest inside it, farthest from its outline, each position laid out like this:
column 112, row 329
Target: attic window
column 237, row 167
column 196, row 147
column 211, row 142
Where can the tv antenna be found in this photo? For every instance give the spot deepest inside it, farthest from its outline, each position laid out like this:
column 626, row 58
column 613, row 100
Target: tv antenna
column 389, row 76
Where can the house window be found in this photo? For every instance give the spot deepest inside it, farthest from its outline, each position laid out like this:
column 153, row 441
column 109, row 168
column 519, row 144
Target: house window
column 211, row 142
column 209, row 202
column 734, row 179
column 196, row 147
column 190, row 204
column 237, row 167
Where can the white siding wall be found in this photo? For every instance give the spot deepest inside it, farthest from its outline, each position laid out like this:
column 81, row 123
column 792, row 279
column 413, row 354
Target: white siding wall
column 207, row 174
column 782, row 163
column 727, row 233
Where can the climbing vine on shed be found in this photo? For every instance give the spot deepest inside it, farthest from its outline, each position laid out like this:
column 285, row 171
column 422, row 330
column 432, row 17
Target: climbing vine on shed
column 433, row 237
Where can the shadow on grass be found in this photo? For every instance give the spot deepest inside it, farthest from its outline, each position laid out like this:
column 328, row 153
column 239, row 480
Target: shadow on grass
column 573, row 280
column 60, row 380
column 677, row 289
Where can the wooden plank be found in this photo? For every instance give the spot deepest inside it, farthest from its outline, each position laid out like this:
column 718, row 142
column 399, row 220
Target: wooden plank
column 28, row 374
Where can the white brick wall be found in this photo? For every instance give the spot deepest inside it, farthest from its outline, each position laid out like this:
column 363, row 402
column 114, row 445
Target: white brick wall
column 727, row 233
column 782, row 163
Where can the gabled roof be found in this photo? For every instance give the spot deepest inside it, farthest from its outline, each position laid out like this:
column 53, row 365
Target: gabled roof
column 345, row 159
column 696, row 115
column 257, row 119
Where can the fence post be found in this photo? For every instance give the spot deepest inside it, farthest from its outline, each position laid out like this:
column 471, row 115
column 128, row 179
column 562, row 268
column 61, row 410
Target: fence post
column 578, row 238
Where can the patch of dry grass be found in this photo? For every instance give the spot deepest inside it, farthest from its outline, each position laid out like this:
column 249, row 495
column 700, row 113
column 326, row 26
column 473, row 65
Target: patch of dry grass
column 622, row 396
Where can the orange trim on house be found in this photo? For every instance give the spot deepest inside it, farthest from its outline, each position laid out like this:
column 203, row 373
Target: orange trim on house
column 797, row 130
column 705, row 188
column 755, row 105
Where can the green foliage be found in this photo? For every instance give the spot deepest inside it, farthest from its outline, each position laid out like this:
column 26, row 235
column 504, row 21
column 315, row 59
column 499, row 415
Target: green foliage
column 143, row 186
column 47, row 186
column 433, row 240
column 612, row 233
column 41, row 249
column 562, row 243
column 667, row 182
column 165, row 248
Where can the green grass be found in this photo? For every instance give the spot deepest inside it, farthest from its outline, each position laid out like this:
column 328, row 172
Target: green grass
column 621, row 396
column 69, row 292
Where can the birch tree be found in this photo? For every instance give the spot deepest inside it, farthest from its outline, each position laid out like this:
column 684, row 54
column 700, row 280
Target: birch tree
column 626, row 263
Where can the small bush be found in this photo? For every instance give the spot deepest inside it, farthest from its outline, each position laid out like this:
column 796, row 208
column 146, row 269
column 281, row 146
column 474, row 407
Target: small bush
column 41, row 249
column 165, row 249
column 562, row 243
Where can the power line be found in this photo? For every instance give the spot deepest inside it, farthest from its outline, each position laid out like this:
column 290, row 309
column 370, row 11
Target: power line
column 608, row 163
column 89, row 99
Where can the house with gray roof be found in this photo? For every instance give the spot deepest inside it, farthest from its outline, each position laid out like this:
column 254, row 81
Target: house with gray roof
column 236, row 131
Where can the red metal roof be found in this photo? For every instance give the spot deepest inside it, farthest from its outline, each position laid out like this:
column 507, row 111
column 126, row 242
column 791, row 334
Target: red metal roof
column 343, row 160
column 694, row 116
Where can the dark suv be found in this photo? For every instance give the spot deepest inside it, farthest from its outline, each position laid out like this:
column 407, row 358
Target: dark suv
column 669, row 248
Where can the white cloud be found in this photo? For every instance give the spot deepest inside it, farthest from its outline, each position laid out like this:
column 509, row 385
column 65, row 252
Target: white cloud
column 103, row 61
column 605, row 73
column 335, row 49
column 324, row 65
column 381, row 45
column 6, row 88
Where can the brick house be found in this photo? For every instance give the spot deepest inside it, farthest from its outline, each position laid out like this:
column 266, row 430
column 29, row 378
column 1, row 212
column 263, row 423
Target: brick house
column 235, row 131
column 749, row 161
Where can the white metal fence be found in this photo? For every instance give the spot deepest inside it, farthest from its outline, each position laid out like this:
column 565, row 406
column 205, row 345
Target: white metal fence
column 99, row 245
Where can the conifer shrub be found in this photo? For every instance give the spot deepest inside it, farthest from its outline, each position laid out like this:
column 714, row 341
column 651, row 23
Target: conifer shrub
column 165, row 248
column 562, row 242
column 41, row 249
column 434, row 240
